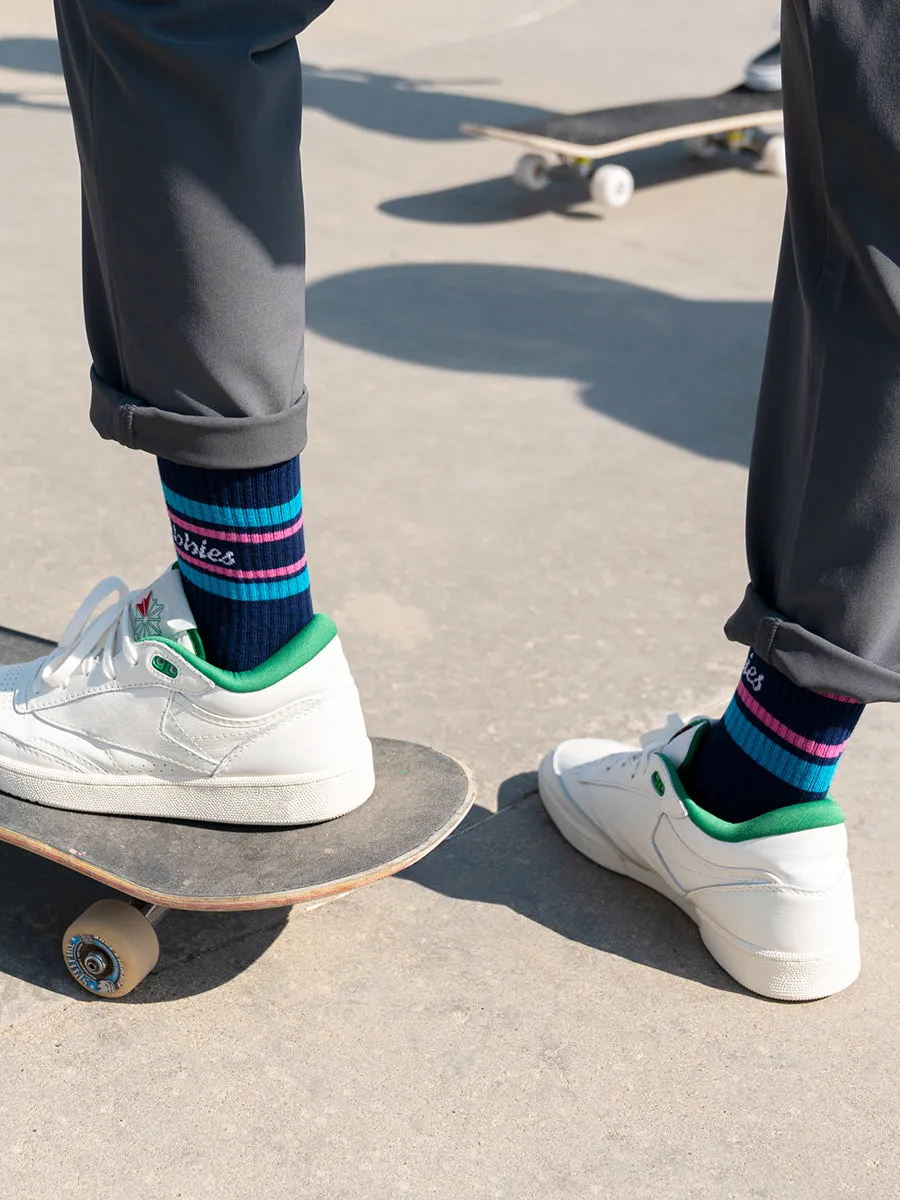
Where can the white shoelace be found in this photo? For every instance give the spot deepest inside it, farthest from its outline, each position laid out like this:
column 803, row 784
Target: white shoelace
column 657, row 738
column 85, row 641
column 651, row 743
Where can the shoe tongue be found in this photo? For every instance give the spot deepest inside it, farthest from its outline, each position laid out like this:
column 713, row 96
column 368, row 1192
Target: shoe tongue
column 162, row 610
column 684, row 745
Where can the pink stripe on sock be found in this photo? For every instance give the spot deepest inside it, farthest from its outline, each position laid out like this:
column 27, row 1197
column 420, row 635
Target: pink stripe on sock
column 226, row 536
column 843, row 699
column 214, row 569
column 819, row 749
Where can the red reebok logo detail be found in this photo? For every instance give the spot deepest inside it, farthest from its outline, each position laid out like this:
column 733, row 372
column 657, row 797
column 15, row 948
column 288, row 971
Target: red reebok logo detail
column 144, row 605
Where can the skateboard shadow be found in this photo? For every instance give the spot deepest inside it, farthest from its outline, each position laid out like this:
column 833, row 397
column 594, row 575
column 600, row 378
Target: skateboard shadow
column 38, row 900
column 499, row 201
column 403, row 107
column 685, row 371
column 514, row 857
column 487, row 202
column 518, row 859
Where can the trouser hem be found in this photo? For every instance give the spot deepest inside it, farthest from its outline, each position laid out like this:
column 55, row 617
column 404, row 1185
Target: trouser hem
column 806, row 659
column 213, row 441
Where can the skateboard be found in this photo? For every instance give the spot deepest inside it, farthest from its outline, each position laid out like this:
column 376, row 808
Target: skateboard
column 574, row 148
column 420, row 797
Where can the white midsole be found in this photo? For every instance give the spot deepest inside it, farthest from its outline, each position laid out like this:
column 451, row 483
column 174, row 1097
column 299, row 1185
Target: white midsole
column 242, row 800
column 774, row 973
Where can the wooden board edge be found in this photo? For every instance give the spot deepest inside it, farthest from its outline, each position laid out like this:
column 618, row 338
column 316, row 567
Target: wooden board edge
column 248, row 903
column 638, row 141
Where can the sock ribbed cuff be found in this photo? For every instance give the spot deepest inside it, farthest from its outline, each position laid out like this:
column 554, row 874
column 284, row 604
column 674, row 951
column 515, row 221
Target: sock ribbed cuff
column 796, row 735
column 239, row 539
column 777, row 745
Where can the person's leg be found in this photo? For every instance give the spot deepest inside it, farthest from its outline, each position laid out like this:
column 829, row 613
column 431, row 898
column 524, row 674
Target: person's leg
column 242, row 557
column 777, row 745
column 822, row 614
column 769, row 885
column 823, row 512
column 187, row 119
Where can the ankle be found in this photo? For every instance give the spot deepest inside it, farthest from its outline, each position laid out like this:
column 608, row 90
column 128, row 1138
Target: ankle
column 239, row 539
column 777, row 745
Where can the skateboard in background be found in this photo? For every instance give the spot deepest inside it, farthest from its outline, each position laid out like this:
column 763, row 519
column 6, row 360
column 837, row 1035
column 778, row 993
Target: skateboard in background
column 577, row 148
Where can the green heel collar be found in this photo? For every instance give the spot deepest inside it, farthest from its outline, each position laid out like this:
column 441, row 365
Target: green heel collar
column 299, row 651
column 796, row 818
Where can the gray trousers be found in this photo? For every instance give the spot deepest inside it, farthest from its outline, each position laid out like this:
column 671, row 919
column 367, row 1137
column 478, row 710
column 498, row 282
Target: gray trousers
column 187, row 121
column 187, row 118
column 823, row 511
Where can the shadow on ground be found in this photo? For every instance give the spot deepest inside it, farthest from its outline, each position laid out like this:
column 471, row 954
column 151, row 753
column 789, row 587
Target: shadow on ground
column 394, row 104
column 38, row 54
column 14, row 100
column 34, row 54
column 499, row 200
column 684, row 371
column 514, row 857
column 38, row 900
column 517, row 859
column 403, row 107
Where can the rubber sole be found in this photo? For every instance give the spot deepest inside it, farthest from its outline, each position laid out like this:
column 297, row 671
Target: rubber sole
column 282, row 800
column 770, row 973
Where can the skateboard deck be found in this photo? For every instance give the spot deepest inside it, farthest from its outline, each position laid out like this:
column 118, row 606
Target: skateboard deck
column 583, row 140
column 610, row 131
column 420, row 797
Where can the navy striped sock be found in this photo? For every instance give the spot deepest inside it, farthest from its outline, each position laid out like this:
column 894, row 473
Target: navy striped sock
column 242, row 557
column 778, row 744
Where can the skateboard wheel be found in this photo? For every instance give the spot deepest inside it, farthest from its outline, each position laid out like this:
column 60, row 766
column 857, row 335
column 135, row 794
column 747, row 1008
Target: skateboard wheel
column 612, row 186
column 532, row 172
column 110, row 948
column 701, row 148
column 772, row 158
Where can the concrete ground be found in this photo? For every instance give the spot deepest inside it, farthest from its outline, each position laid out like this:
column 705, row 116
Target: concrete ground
column 524, row 498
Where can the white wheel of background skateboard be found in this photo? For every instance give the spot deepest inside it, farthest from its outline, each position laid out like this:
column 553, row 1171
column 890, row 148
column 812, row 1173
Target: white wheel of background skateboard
column 612, row 186
column 532, row 172
column 772, row 158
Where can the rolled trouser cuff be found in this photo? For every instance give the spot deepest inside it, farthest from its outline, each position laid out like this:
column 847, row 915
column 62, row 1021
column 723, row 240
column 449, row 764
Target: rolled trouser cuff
column 806, row 659
column 211, row 441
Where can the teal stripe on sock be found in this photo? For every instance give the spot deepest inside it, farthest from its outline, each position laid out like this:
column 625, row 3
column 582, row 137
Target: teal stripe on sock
column 238, row 518
column 794, row 771
column 251, row 589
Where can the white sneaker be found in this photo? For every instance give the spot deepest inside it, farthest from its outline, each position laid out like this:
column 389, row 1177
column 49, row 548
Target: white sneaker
column 773, row 896
column 126, row 716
